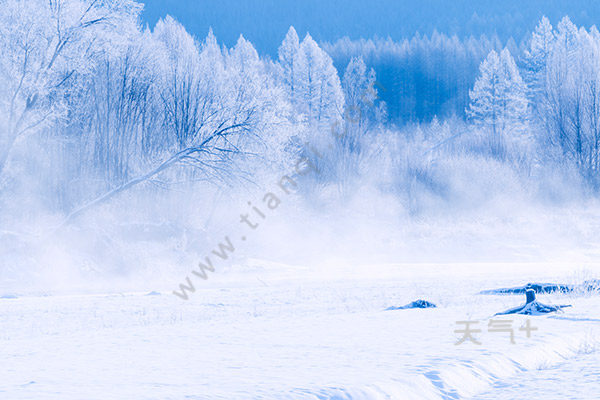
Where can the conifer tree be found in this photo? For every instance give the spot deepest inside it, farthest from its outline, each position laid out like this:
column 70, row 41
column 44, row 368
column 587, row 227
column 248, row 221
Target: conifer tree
column 536, row 59
column 498, row 99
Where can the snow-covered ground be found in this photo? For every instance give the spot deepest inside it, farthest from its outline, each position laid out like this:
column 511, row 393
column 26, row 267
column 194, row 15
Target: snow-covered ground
column 575, row 378
column 301, row 335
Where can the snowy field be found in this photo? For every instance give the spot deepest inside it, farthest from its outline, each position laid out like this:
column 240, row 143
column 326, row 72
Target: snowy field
column 299, row 335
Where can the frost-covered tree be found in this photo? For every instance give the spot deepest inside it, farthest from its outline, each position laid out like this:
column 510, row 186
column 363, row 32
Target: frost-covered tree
column 213, row 102
column 560, row 91
column 347, row 151
column 515, row 104
column 289, row 61
column 255, row 93
column 118, row 111
column 45, row 47
column 499, row 97
column 571, row 101
column 362, row 108
column 320, row 98
column 536, row 58
column 360, row 91
column 184, row 90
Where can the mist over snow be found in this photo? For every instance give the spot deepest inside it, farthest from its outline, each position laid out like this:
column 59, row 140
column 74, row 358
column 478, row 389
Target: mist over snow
column 129, row 153
column 294, row 169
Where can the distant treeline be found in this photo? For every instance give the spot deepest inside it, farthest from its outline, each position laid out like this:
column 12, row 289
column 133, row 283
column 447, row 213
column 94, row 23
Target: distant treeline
column 424, row 76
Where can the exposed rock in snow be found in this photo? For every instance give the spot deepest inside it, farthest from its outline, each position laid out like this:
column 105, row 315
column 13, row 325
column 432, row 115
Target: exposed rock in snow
column 415, row 304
